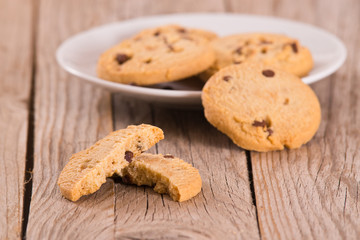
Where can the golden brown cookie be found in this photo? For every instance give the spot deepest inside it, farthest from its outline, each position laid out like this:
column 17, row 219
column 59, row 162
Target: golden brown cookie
column 87, row 170
column 261, row 108
column 158, row 55
column 166, row 173
column 271, row 49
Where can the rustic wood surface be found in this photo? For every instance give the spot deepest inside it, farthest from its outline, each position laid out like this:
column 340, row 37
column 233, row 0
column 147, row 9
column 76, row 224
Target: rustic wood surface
column 69, row 116
column 16, row 57
column 47, row 114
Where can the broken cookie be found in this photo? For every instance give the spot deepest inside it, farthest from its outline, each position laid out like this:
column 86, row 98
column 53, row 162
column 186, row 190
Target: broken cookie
column 166, row 173
column 87, row 170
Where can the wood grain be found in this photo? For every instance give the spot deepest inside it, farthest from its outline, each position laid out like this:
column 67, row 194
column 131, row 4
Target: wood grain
column 70, row 116
column 309, row 193
column 15, row 83
column 312, row 192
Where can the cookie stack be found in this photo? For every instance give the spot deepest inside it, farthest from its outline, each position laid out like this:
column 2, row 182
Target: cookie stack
column 253, row 91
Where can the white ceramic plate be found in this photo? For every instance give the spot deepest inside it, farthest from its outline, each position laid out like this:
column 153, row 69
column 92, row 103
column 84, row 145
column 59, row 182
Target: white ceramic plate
column 78, row 54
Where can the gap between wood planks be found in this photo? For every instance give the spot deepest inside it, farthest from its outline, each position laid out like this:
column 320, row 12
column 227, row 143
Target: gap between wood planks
column 29, row 164
column 252, row 188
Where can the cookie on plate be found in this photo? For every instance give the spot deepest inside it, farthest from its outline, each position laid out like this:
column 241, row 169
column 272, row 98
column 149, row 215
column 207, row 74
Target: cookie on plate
column 168, row 174
column 87, row 170
column 261, row 108
column 272, row 49
column 158, row 55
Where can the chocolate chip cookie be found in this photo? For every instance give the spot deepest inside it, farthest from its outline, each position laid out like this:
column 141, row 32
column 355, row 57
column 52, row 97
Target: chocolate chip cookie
column 87, row 170
column 158, row 55
column 271, row 49
column 260, row 107
column 166, row 173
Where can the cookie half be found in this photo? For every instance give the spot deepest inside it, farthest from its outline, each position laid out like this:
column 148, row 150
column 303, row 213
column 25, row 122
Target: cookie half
column 261, row 108
column 274, row 50
column 87, row 170
column 158, row 55
column 166, row 173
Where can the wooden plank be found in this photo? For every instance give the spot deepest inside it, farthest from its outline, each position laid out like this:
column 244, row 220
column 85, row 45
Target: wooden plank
column 15, row 69
column 224, row 208
column 312, row 192
column 70, row 115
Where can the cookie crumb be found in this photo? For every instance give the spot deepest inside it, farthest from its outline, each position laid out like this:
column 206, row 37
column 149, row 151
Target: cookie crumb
column 268, row 73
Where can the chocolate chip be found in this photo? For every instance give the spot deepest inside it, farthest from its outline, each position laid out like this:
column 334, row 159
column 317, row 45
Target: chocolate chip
column 157, row 33
column 133, row 84
column 270, row 131
column 227, row 78
column 148, row 61
column 181, row 30
column 129, row 156
column 294, row 47
column 237, row 62
column 238, row 50
column 168, row 156
column 259, row 124
column 121, row 58
column 268, row 73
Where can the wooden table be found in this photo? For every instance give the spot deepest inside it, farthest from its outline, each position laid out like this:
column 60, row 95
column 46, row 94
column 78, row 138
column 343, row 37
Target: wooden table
column 47, row 114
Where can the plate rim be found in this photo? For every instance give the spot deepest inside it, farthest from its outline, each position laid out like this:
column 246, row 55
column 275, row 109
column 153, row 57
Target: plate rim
column 119, row 87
